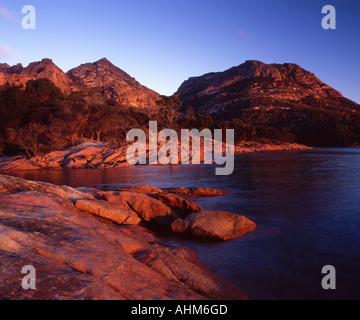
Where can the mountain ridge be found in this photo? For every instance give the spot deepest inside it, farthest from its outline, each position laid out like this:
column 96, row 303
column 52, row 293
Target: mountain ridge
column 114, row 84
column 210, row 89
column 18, row 75
column 107, row 79
column 281, row 101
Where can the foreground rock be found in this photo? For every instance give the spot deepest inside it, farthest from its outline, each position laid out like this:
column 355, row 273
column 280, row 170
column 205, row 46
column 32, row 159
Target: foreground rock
column 155, row 202
column 108, row 211
column 217, row 225
column 78, row 255
column 149, row 209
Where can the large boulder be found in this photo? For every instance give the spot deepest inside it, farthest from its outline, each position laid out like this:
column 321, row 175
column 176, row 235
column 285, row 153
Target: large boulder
column 217, row 225
column 147, row 208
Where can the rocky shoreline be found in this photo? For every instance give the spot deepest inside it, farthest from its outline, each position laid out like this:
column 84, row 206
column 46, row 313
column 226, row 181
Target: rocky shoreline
column 94, row 155
column 100, row 243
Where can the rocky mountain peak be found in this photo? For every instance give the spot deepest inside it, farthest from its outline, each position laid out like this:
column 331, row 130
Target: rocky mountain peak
column 282, row 101
column 107, row 79
column 47, row 61
column 253, row 84
column 6, row 69
column 278, row 72
column 45, row 68
column 40, row 66
column 17, row 68
column 104, row 61
column 114, row 84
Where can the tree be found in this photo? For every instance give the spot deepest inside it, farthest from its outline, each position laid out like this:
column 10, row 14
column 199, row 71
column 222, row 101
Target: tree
column 169, row 107
column 1, row 145
column 28, row 138
column 190, row 114
column 43, row 89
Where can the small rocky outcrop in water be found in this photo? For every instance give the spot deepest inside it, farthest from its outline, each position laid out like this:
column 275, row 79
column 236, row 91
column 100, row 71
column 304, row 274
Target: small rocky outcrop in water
column 86, row 247
column 197, row 192
column 217, row 225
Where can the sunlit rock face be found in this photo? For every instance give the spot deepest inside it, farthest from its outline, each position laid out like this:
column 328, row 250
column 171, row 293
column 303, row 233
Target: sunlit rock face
column 85, row 247
column 101, row 76
column 44, row 69
column 257, row 86
column 115, row 84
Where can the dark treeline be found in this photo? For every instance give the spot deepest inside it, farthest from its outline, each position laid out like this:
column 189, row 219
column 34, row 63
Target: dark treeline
column 39, row 118
column 313, row 122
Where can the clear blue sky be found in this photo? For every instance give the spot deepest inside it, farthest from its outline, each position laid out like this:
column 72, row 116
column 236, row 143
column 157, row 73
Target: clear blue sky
column 164, row 42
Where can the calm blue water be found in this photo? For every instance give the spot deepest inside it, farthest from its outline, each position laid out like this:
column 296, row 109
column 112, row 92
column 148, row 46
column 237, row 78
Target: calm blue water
column 306, row 205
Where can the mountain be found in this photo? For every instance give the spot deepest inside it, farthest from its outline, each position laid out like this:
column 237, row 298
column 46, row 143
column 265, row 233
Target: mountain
column 45, row 68
column 280, row 96
column 101, row 76
column 255, row 85
column 258, row 100
column 115, row 84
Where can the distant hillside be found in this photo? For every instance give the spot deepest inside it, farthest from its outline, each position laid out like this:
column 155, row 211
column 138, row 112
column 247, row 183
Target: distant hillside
column 275, row 96
column 101, row 76
column 43, row 105
column 45, row 69
column 115, row 84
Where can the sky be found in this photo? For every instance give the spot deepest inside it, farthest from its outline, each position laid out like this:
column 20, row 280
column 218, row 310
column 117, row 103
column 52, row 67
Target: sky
column 163, row 43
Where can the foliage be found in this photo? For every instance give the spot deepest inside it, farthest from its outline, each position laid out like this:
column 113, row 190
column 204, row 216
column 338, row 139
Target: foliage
column 40, row 118
column 168, row 108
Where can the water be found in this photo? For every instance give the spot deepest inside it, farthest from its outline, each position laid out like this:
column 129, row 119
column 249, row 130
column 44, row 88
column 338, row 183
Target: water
column 306, row 205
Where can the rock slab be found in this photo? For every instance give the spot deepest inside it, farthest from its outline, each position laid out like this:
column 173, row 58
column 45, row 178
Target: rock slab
column 78, row 255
